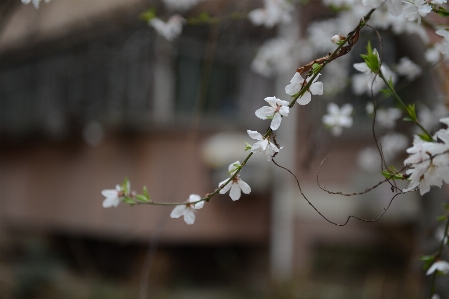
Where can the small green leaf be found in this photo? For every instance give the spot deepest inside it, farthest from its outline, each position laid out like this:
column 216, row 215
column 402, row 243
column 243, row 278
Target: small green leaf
column 407, row 119
column 442, row 218
column 129, row 201
column 428, row 260
column 392, row 174
column 125, row 186
column 142, row 198
column 386, row 91
column 148, row 15
column 248, row 146
column 145, row 192
column 425, row 137
column 316, row 68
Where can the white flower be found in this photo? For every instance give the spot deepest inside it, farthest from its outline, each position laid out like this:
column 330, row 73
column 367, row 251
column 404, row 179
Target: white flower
column 435, row 296
column 416, row 10
column 335, row 39
column 275, row 111
column 432, row 54
column 297, row 82
column 408, row 68
column 393, row 144
column 387, row 117
column 188, row 210
column 236, row 185
column 362, row 83
column 180, row 4
column 112, row 196
column 170, row 29
column 394, row 6
column 274, row 12
column 369, row 159
column 428, row 162
column 337, row 118
column 444, row 48
column 35, row 2
column 441, row 266
column 263, row 145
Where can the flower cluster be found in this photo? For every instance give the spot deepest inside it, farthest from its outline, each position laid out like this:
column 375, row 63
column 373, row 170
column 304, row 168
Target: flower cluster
column 429, row 161
column 35, row 2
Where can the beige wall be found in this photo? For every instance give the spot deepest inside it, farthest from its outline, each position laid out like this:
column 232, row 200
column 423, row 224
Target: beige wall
column 56, row 187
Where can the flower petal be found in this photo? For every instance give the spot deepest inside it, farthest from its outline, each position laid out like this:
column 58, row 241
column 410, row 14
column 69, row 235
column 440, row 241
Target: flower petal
column 271, row 101
column 111, row 202
column 235, row 192
column 189, row 216
column 306, row 98
column 316, row 88
column 276, row 122
column 244, row 186
column 225, row 188
column 265, row 111
column 178, row 211
column 255, row 135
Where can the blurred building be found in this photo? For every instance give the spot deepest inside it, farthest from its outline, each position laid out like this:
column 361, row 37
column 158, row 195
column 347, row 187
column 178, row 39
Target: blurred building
column 89, row 94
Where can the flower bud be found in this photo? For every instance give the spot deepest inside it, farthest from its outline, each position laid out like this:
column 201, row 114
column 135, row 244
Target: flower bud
column 335, row 39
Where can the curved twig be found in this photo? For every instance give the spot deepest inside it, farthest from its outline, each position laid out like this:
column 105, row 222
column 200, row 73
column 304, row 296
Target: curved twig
column 324, row 217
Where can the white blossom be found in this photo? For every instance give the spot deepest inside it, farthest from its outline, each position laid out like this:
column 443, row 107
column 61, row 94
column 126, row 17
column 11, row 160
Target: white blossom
column 275, row 56
column 441, row 266
column 428, row 162
column 35, row 2
column 236, row 185
column 408, row 68
column 275, row 111
column 444, row 46
column 394, row 6
column 180, row 4
column 416, row 10
column 113, row 196
column 338, row 118
column 362, row 83
column 263, row 145
column 170, row 29
column 435, row 296
column 369, row 159
column 432, row 54
column 387, row 117
column 297, row 82
column 393, row 144
column 188, row 210
column 274, row 12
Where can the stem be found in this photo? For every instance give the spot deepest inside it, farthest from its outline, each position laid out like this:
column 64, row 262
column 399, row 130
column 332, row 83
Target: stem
column 303, row 90
column 412, row 117
column 440, row 250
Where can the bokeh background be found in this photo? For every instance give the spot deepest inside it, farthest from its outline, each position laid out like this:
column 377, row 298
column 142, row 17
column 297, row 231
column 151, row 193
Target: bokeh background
column 90, row 94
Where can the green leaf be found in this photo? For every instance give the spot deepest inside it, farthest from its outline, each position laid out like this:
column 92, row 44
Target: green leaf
column 129, row 201
column 142, row 198
column 316, row 68
column 386, row 91
column 428, row 260
column 411, row 111
column 371, row 59
column 145, row 192
column 125, row 186
column 407, row 119
column 425, row 137
column 148, row 15
column 442, row 218
column 392, row 174
column 248, row 146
